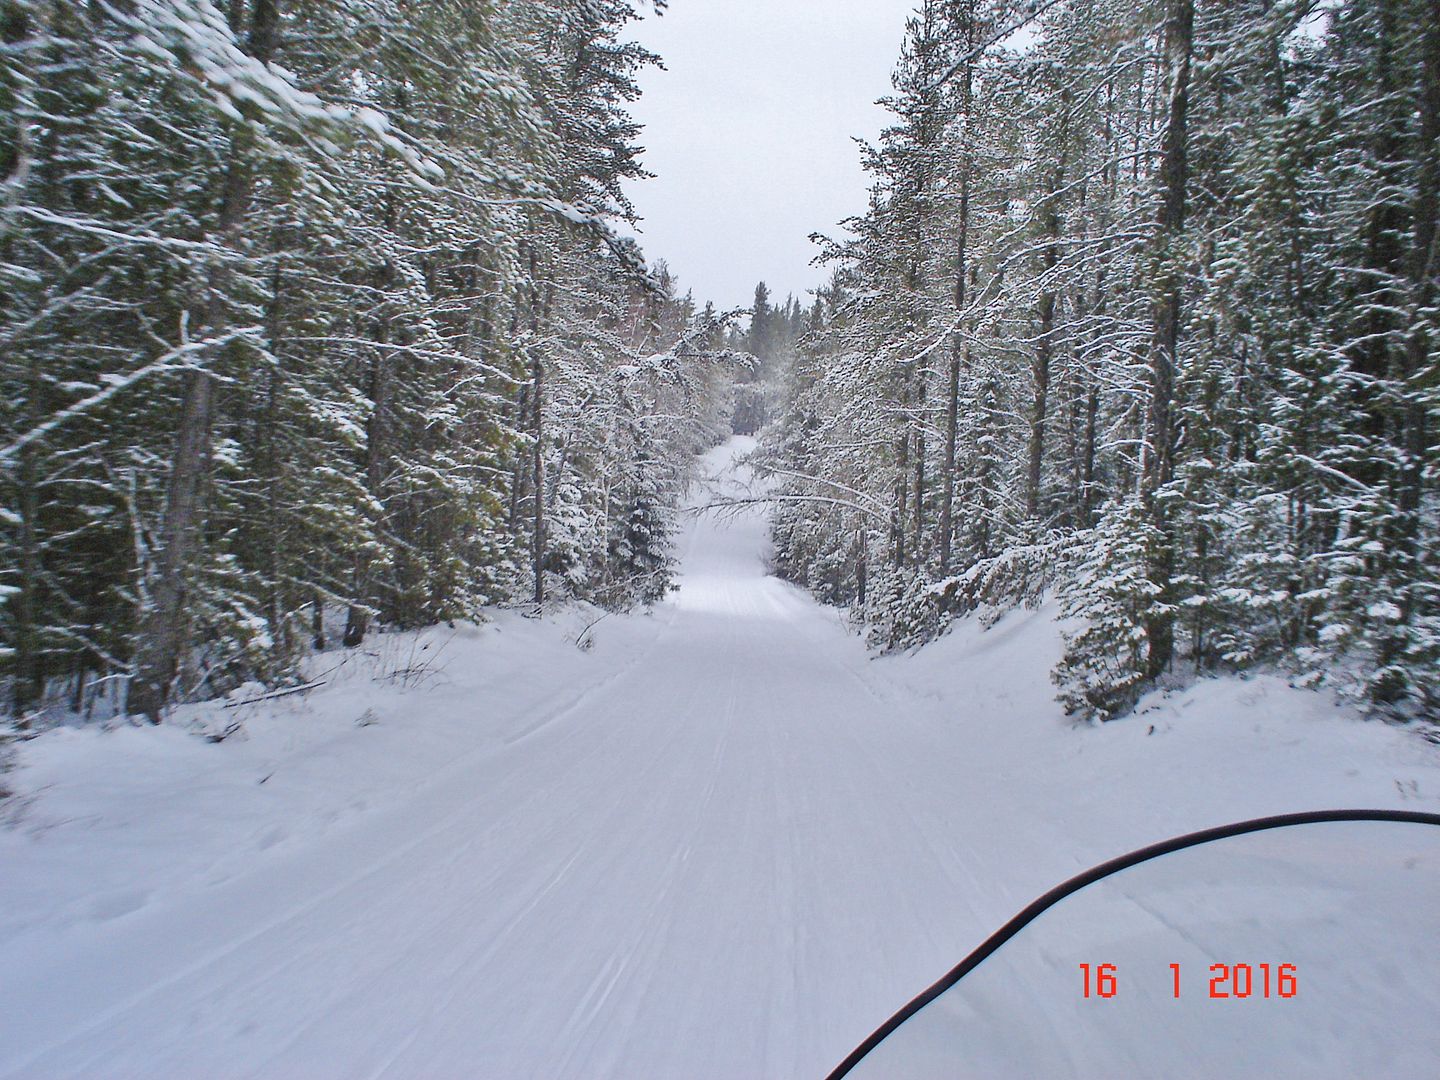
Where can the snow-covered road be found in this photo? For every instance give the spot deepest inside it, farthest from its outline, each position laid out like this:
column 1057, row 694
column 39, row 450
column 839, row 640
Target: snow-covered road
column 728, row 848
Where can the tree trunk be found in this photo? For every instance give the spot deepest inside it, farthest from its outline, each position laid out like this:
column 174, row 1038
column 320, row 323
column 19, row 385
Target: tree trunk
column 1045, row 343
column 29, row 679
column 1040, row 369
column 357, row 618
column 902, row 470
column 164, row 634
column 1414, row 436
column 920, row 395
column 1157, row 459
column 537, row 376
column 952, row 431
column 537, row 380
column 267, row 458
column 862, row 574
column 1373, row 355
column 520, row 467
column 1424, row 269
column 317, row 622
column 1087, row 463
column 958, row 344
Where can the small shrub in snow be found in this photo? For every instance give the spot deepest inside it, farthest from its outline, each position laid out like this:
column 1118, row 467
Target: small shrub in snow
column 1103, row 672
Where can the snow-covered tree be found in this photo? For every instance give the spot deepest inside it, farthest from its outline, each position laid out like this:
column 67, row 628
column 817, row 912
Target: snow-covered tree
column 1178, row 260
column 311, row 314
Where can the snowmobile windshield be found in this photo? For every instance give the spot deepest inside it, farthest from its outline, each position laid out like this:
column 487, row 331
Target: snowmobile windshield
column 1304, row 946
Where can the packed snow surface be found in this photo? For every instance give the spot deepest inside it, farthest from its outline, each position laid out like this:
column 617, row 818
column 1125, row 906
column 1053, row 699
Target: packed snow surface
column 719, row 841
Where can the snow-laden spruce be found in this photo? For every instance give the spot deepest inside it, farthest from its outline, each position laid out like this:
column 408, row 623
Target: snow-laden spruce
column 313, row 320
column 1166, row 267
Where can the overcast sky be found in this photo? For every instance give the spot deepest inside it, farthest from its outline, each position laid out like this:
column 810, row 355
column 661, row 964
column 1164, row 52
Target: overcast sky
column 749, row 132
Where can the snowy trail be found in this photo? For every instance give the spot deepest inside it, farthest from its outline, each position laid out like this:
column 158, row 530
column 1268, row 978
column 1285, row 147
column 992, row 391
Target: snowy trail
column 676, row 877
column 729, row 856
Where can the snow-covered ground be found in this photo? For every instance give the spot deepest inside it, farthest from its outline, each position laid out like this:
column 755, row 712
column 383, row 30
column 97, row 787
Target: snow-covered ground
column 720, row 842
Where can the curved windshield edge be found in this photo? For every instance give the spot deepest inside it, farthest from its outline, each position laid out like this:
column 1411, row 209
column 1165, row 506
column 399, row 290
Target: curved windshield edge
column 1097, row 873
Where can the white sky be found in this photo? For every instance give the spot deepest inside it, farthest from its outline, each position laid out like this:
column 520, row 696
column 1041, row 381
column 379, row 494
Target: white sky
column 749, row 132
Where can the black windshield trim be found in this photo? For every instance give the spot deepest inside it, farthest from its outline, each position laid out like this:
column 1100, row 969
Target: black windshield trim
column 1104, row 870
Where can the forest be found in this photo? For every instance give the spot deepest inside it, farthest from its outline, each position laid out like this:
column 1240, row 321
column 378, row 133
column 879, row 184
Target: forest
column 1142, row 315
column 451, row 627
column 313, row 319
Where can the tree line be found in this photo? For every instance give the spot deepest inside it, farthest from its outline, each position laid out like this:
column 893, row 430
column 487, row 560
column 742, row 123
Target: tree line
column 1143, row 312
column 312, row 319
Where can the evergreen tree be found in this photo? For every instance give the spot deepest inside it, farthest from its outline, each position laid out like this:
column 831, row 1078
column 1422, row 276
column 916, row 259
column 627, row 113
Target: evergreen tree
column 314, row 324
column 1179, row 261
